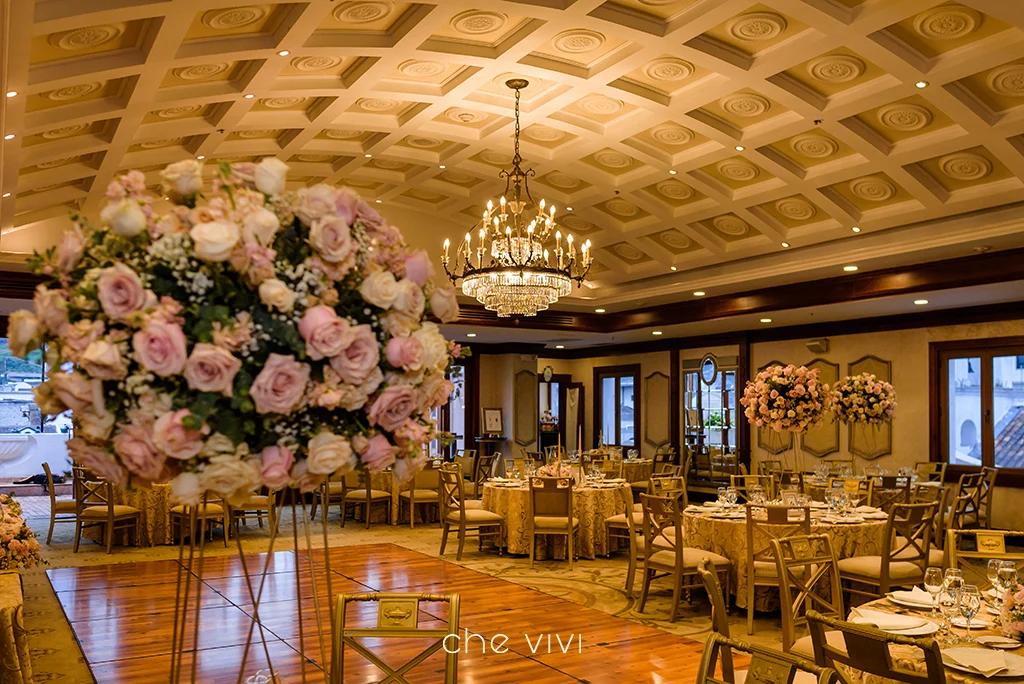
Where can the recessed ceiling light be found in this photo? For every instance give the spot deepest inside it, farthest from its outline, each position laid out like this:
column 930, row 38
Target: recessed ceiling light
column 920, row 302
column 740, row 148
column 202, row 156
column 559, row 346
column 672, row 172
column 849, row 269
column 568, row 208
column 766, row 320
column 248, row 96
column 12, row 93
column 656, row 332
column 9, row 136
column 598, row 310
column 7, row 194
column 379, row 201
column 785, row 244
column 922, row 84
column 167, row 198
column 283, row 53
column 367, row 155
column 673, row 268
column 441, row 166
column 856, row 229
column 470, row 334
column 699, row 293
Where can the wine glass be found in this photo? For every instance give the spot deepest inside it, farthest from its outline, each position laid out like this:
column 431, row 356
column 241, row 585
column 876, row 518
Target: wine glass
column 721, row 495
column 970, row 605
column 1007, row 576
column 731, row 496
column 954, row 580
column 756, row 494
column 515, row 473
column 992, row 572
column 933, row 585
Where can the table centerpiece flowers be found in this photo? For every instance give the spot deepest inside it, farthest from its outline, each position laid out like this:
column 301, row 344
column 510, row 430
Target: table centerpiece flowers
column 787, row 399
column 18, row 545
column 1011, row 616
column 864, row 398
column 241, row 335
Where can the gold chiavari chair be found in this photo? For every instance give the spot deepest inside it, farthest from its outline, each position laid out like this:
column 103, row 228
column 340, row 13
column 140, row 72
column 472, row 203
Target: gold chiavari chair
column 357, row 493
column 455, row 513
column 256, row 506
column 779, row 522
column 398, row 617
column 666, row 555
column 866, row 650
column 907, row 541
column 971, row 550
column 484, row 466
column 836, row 466
column 94, row 506
column 673, row 487
column 889, row 490
column 858, row 488
column 610, row 466
column 931, row 471
column 551, row 453
column 743, row 483
column 766, row 665
column 969, row 492
column 787, row 478
column 211, row 512
column 624, row 527
column 425, row 493
column 60, row 511
column 330, row 493
column 808, row 579
column 551, row 513
column 938, row 496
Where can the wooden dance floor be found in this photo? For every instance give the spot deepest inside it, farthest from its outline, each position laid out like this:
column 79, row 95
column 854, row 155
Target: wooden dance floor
column 123, row 614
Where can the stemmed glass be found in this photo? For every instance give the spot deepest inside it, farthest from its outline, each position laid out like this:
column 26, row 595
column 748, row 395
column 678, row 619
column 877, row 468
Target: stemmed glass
column 1007, row 577
column 954, row 580
column 721, row 495
column 514, row 472
column 731, row 496
column 933, row 585
column 949, row 606
column 992, row 572
column 970, row 604
column 756, row 494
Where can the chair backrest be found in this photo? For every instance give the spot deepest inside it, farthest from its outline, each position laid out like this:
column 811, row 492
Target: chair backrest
column 859, row 488
column 970, row 487
column 664, row 455
column 609, row 465
column 940, row 497
column 484, row 466
column 767, row 523
column 551, row 496
column 428, row 478
column 552, row 452
column 931, row 471
column 467, row 459
column 867, row 650
column 743, row 483
column 49, row 486
column 987, row 492
column 971, row 550
column 516, row 464
column 889, row 490
column 398, row 617
column 808, row 575
column 787, row 478
column 664, row 522
column 836, row 466
column 766, row 665
column 672, row 487
column 536, row 456
column 769, row 467
column 908, row 532
column 667, row 469
column 93, row 493
column 719, row 613
column 452, row 491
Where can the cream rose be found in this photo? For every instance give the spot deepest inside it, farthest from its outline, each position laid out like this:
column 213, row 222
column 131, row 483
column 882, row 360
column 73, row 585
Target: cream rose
column 103, row 360
column 409, row 300
column 23, row 334
column 51, row 308
column 261, row 226
column 183, row 178
column 215, row 240
column 70, row 250
column 435, row 347
column 125, row 217
column 328, row 453
column 270, row 175
column 443, row 303
column 231, row 477
column 380, row 289
column 276, row 295
column 314, row 202
column 330, row 236
column 185, row 489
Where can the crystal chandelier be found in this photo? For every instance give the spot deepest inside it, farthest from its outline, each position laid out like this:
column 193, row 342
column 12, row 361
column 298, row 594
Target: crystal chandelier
column 510, row 270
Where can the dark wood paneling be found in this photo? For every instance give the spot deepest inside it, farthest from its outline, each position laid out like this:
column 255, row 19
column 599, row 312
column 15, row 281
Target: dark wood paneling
column 674, row 400
column 742, row 424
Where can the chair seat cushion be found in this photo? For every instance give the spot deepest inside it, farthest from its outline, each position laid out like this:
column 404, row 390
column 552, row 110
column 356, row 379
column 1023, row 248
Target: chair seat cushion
column 553, row 522
column 202, row 510
column 65, row 506
column 475, row 504
column 100, row 512
column 665, row 541
column 335, row 487
column 360, row 495
column 638, row 507
column 870, row 567
column 254, row 501
column 691, row 558
column 476, row 515
column 620, row 519
column 419, row 494
column 936, row 557
column 804, row 648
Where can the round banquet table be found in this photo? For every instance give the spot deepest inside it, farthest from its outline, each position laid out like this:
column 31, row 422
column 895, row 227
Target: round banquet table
column 910, row 658
column 729, row 538
column 592, row 505
column 637, row 471
column 154, row 502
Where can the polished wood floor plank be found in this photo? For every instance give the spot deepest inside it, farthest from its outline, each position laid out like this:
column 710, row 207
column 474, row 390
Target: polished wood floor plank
column 122, row 616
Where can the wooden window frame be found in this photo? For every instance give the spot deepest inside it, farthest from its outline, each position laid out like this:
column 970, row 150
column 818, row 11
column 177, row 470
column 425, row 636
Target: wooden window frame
column 601, row 372
column 986, row 349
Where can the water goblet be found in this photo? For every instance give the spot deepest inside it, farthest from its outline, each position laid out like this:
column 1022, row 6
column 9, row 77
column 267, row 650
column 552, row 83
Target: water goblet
column 731, row 496
column 756, row 494
column 970, row 605
column 721, row 495
column 992, row 573
column 933, row 585
column 948, row 602
column 1007, row 576
column 953, row 580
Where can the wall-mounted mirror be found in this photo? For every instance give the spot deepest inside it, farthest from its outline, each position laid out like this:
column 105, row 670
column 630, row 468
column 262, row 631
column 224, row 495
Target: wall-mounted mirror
column 709, row 369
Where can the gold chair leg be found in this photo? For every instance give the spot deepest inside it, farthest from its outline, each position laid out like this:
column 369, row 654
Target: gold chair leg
column 444, row 538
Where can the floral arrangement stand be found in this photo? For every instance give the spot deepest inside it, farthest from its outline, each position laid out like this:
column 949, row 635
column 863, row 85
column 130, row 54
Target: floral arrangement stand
column 787, row 399
column 240, row 336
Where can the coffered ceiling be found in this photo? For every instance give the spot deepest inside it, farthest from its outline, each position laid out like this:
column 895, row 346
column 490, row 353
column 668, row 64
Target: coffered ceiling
column 681, row 136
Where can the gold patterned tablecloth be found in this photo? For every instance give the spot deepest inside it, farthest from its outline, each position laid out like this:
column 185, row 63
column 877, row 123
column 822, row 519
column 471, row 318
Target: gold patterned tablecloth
column 912, row 659
column 729, row 538
column 155, row 522
column 591, row 505
column 15, row 665
column 637, row 471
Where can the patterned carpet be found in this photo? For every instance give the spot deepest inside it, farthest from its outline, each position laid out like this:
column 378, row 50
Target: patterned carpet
column 594, row 583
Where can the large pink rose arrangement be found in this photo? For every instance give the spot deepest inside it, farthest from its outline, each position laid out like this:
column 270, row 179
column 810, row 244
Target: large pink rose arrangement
column 18, row 545
column 786, row 399
column 248, row 336
column 864, row 399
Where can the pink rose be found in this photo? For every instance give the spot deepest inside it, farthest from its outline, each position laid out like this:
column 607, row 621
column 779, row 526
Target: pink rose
column 134, row 444
column 77, row 337
column 280, row 386
column 96, row 459
column 362, row 355
column 330, row 236
column 435, row 391
column 326, row 334
column 406, row 468
column 160, row 347
column 77, row 392
column 369, row 217
column 173, row 439
column 405, row 353
column 70, row 249
column 412, row 435
column 392, row 407
column 418, row 267
column 120, row 292
column 345, row 205
column 276, row 463
column 211, row 369
column 376, row 453
column 51, row 308
column 314, row 202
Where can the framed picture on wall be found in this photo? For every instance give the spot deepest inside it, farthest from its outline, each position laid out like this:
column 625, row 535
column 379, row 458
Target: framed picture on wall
column 493, row 420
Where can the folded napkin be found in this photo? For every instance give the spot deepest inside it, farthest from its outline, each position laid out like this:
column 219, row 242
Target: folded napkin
column 877, row 515
column 847, row 519
column 915, row 595
column 712, row 504
column 865, row 509
column 885, row 621
column 615, row 480
column 983, row 661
